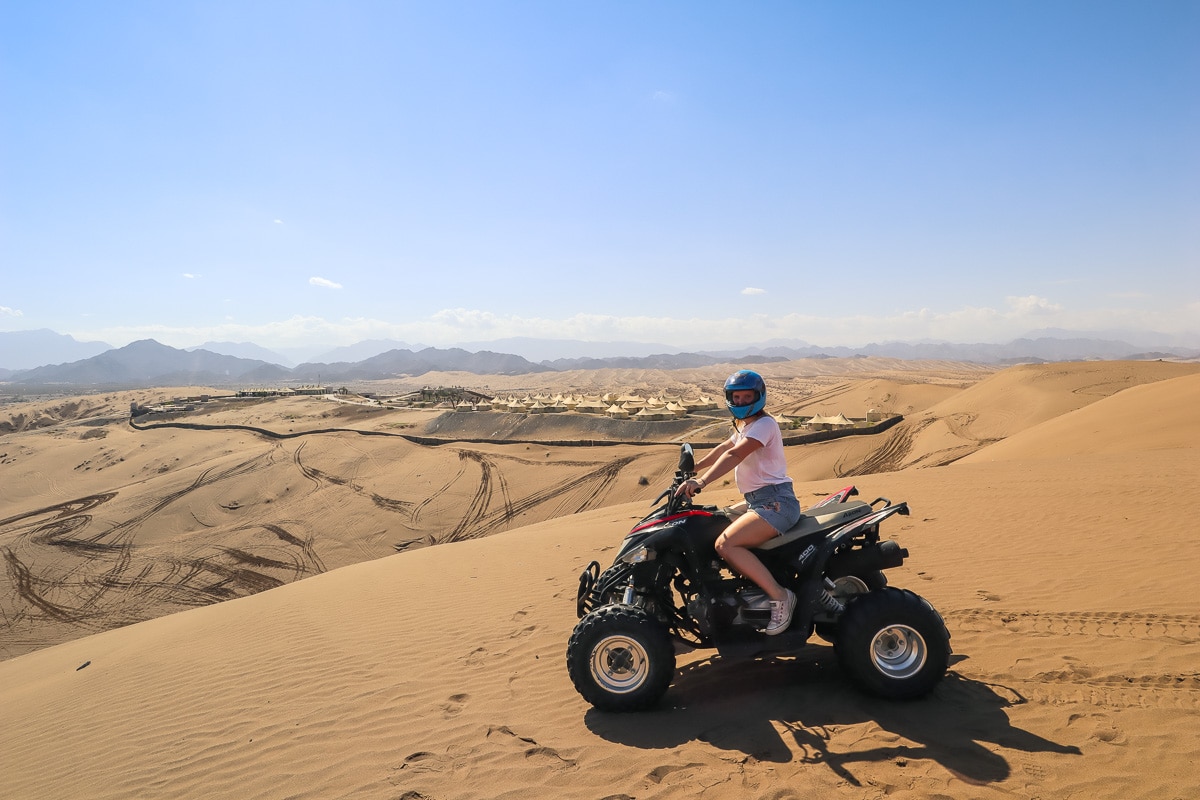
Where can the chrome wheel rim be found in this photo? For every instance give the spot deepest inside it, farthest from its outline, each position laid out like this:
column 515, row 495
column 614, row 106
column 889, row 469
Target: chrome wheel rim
column 848, row 586
column 619, row 664
column 898, row 651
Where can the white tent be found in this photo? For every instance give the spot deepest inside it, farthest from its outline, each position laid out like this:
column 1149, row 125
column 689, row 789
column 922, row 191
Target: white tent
column 828, row 423
column 591, row 407
column 677, row 409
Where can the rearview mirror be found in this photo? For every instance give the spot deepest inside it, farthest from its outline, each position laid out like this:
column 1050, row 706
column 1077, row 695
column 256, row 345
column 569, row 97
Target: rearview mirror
column 687, row 458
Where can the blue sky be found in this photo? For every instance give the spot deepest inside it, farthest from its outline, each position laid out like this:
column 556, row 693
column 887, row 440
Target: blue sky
column 310, row 174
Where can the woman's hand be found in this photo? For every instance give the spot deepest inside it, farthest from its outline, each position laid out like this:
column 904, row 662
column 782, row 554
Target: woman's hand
column 690, row 487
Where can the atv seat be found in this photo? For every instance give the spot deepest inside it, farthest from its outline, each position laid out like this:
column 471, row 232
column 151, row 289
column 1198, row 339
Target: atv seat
column 825, row 518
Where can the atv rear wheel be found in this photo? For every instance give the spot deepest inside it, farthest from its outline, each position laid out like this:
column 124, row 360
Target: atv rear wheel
column 893, row 644
column 847, row 585
column 844, row 588
column 620, row 658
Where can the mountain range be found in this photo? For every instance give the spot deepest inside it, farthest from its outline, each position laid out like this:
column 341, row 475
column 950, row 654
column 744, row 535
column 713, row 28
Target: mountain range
column 149, row 363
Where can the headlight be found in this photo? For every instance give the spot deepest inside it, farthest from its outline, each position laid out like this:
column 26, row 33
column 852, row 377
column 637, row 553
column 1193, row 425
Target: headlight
column 638, row 555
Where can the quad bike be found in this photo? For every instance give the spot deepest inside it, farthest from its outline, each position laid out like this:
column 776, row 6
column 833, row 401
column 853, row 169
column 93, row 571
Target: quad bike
column 668, row 588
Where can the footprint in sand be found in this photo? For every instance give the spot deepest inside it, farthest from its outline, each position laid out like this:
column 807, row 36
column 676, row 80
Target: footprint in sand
column 1102, row 728
column 423, row 761
column 532, row 749
column 454, row 705
column 991, row 598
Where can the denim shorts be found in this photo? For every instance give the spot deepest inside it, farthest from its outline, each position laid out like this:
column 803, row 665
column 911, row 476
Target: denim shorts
column 777, row 504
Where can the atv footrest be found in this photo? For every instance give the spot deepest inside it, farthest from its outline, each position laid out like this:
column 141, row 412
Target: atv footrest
column 759, row 645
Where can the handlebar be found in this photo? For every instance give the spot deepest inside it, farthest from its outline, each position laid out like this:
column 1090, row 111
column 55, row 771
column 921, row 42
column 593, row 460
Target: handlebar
column 674, row 501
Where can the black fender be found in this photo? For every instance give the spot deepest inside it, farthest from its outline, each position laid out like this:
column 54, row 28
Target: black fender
column 879, row 556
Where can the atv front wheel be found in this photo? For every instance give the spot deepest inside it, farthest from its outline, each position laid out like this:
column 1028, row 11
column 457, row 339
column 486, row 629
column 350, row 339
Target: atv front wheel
column 620, row 658
column 893, row 644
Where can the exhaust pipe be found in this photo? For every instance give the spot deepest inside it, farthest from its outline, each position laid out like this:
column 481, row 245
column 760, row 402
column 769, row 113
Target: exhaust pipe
column 884, row 555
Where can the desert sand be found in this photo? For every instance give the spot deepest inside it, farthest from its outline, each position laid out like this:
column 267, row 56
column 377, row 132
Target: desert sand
column 395, row 615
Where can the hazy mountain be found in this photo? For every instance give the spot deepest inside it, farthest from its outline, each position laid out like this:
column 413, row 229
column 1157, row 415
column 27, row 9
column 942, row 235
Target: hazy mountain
column 550, row 350
column 28, row 349
column 1040, row 349
column 148, row 363
column 406, row 362
column 1140, row 339
column 661, row 361
column 361, row 351
column 245, row 350
column 1018, row 350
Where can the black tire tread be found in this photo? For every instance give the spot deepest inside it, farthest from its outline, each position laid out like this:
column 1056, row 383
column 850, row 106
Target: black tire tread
column 865, row 614
column 631, row 622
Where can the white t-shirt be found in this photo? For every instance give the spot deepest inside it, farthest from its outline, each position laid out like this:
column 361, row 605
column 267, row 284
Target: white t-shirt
column 766, row 465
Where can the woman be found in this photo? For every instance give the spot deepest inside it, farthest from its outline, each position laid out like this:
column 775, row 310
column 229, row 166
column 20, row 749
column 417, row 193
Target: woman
column 755, row 454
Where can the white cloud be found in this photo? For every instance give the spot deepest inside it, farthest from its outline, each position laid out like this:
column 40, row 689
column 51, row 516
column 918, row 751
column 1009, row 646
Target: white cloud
column 752, row 290
column 328, row 284
column 10, row 312
column 455, row 325
column 189, row 275
column 277, row 221
column 662, row 96
column 1032, row 304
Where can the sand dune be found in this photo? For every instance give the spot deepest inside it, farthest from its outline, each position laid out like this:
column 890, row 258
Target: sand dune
column 1155, row 416
column 983, row 414
column 1053, row 548
column 143, row 523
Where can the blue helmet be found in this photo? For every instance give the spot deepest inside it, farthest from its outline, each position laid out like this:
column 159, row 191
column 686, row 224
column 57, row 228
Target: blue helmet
column 742, row 380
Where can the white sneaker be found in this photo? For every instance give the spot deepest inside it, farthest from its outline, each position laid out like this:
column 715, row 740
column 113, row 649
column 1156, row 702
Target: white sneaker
column 781, row 614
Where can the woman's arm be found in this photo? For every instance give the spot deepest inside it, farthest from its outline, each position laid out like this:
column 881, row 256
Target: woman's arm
column 712, row 455
column 717, row 463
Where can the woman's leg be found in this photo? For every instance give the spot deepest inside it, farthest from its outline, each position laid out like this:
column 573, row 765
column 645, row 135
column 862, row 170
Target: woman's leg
column 750, row 530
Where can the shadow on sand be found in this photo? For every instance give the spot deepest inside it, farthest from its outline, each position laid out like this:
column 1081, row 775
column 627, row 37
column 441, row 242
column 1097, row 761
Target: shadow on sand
column 744, row 706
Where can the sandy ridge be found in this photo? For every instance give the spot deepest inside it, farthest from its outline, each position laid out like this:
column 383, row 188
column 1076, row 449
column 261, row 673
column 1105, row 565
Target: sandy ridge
column 1054, row 548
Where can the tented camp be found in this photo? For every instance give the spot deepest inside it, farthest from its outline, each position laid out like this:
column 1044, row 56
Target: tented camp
column 676, row 409
column 591, row 406
column 617, row 412
column 702, row 403
column 823, row 423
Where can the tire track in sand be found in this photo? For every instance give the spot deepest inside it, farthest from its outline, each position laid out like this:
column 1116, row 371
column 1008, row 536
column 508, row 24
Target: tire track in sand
column 1075, row 681
column 574, row 495
column 109, row 583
